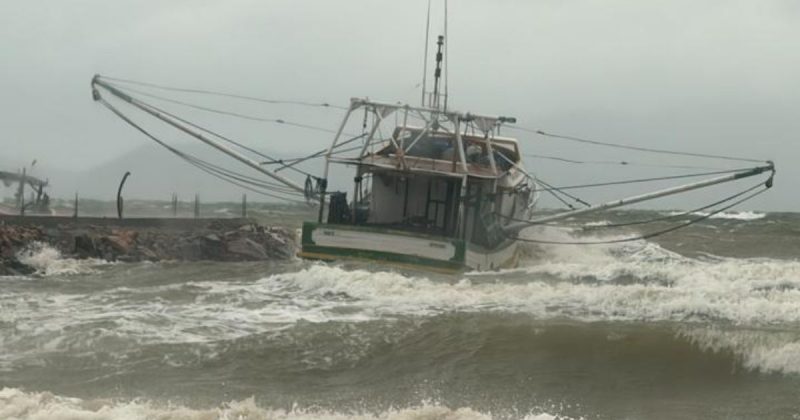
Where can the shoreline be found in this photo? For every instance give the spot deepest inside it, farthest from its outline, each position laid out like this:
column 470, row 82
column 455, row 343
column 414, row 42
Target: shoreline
column 142, row 239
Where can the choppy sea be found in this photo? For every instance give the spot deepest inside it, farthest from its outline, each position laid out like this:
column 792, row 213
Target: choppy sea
column 702, row 323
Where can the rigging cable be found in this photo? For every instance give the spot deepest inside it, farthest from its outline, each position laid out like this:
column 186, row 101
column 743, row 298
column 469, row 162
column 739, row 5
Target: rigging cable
column 294, row 161
column 272, row 160
column 628, row 147
column 220, row 136
column 553, row 190
column 228, row 95
column 189, row 158
column 228, row 113
column 640, row 180
column 616, row 162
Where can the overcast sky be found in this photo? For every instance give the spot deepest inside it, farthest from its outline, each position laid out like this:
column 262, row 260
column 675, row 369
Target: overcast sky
column 706, row 76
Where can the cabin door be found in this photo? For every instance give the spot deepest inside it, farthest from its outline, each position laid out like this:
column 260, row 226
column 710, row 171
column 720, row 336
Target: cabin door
column 440, row 205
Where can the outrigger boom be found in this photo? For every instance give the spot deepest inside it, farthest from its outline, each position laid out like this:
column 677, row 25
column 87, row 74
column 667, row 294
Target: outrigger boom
column 515, row 227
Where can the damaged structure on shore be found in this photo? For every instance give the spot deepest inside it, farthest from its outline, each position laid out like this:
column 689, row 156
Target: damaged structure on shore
column 39, row 201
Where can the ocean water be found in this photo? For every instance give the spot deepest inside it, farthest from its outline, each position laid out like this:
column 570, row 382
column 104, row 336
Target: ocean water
column 703, row 323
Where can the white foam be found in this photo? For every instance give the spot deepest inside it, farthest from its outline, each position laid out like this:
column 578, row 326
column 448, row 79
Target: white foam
column 48, row 261
column 16, row 404
column 732, row 215
column 631, row 282
column 637, row 281
column 755, row 292
column 597, row 223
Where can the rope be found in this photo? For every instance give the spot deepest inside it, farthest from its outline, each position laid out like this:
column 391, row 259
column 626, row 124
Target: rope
column 204, row 166
column 317, row 154
column 551, row 189
column 641, row 237
column 636, row 148
column 227, row 95
column 215, row 134
column 640, row 180
column 617, row 162
column 228, row 113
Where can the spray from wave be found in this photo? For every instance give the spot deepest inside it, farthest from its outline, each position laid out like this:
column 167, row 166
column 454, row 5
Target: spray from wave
column 48, row 261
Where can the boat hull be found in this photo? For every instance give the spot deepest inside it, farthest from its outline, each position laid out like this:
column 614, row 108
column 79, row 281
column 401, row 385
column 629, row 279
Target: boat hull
column 331, row 242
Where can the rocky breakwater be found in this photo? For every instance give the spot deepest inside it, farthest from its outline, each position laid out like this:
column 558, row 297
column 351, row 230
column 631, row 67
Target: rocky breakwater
column 215, row 240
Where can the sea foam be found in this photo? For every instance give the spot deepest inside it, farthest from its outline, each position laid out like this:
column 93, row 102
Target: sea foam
column 17, row 404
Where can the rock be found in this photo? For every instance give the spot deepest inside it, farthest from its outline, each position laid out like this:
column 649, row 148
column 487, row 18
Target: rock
column 212, row 238
column 248, row 228
column 147, row 254
column 126, row 237
column 191, row 250
column 247, row 248
column 222, row 240
column 115, row 244
column 14, row 267
column 85, row 246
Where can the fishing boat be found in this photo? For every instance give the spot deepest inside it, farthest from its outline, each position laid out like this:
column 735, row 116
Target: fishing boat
column 436, row 196
column 433, row 188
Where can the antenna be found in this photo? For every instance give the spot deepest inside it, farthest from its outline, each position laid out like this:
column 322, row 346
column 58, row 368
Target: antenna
column 434, row 98
column 437, row 74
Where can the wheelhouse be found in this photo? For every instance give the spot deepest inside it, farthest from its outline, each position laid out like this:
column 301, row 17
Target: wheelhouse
column 451, row 178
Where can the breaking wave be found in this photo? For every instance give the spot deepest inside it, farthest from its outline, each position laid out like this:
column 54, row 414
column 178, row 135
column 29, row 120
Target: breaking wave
column 763, row 351
column 17, row 404
column 733, row 215
column 48, row 261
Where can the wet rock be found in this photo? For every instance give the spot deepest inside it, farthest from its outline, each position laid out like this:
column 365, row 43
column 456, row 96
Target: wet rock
column 115, row 245
column 14, row 267
column 147, row 255
column 85, row 247
column 247, row 249
column 220, row 240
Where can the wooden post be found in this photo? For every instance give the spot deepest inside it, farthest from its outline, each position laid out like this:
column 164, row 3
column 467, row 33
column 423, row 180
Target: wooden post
column 75, row 213
column 120, row 200
column 244, row 206
column 196, row 206
column 174, row 204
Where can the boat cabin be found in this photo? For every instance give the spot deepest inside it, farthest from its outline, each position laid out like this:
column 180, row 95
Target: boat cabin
column 434, row 182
